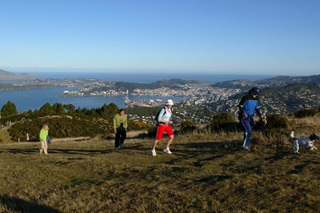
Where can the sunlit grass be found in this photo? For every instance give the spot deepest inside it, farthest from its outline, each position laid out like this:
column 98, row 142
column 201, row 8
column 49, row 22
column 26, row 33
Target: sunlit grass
column 205, row 173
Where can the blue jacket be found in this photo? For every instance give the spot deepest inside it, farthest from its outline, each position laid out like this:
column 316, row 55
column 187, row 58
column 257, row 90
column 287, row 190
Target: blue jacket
column 249, row 104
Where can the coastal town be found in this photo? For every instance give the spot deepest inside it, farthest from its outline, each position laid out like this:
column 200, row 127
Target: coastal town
column 199, row 101
column 198, row 93
column 194, row 100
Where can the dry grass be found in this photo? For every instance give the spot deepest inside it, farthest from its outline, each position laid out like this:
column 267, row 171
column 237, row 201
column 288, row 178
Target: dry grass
column 205, row 173
column 305, row 126
column 4, row 135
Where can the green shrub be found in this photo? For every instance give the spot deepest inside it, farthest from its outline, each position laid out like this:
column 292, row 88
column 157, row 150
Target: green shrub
column 152, row 131
column 305, row 113
column 137, row 125
column 224, row 121
column 275, row 124
column 8, row 109
column 187, row 126
column 59, row 127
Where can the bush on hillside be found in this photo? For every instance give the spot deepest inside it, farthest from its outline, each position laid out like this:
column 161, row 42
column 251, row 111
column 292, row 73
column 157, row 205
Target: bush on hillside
column 59, row 127
column 224, row 121
column 152, row 131
column 274, row 121
column 46, row 109
column 276, row 125
column 137, row 125
column 8, row 109
column 187, row 126
column 305, row 113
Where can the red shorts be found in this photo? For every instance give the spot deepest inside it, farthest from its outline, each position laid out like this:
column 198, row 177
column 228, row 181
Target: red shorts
column 161, row 129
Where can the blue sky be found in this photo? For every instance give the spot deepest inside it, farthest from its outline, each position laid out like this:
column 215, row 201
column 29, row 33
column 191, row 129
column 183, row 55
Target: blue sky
column 210, row 36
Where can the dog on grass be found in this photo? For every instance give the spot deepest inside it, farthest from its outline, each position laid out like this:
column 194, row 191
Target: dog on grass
column 305, row 141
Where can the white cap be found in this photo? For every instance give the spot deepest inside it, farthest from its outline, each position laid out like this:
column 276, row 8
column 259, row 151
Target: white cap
column 169, row 102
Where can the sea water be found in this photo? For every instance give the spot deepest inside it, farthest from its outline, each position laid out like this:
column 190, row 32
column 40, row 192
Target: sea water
column 26, row 100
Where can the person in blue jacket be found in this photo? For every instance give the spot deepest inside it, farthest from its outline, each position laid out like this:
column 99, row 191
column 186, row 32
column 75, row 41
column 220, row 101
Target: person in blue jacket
column 247, row 106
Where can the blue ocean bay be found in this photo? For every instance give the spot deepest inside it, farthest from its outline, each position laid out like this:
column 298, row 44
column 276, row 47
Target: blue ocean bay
column 34, row 99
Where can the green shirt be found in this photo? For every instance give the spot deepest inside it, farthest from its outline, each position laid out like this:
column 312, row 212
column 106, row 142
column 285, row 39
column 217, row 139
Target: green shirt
column 120, row 119
column 43, row 134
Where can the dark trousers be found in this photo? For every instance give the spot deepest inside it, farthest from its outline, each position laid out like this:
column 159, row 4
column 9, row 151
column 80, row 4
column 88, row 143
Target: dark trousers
column 247, row 124
column 121, row 135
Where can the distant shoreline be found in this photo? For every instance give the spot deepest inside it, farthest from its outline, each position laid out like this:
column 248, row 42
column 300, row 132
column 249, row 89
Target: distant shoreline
column 141, row 77
column 19, row 77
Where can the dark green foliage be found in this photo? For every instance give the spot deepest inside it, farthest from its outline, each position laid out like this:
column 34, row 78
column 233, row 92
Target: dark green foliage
column 222, row 118
column 65, row 121
column 110, row 111
column 103, row 111
column 59, row 127
column 152, row 131
column 305, row 113
column 46, row 109
column 224, row 121
column 8, row 109
column 276, row 121
column 90, row 112
column 276, row 125
column 11, row 118
column 187, row 126
column 58, row 108
column 69, row 108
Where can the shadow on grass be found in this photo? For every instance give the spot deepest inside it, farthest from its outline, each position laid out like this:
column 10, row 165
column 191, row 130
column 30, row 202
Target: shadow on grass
column 58, row 151
column 79, row 151
column 20, row 151
column 207, row 151
column 213, row 179
column 18, row 205
column 210, row 147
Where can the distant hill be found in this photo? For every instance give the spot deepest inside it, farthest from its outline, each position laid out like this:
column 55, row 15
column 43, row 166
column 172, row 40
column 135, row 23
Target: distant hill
column 6, row 75
column 3, row 72
column 235, row 84
column 281, row 99
column 277, row 81
column 171, row 83
column 286, row 80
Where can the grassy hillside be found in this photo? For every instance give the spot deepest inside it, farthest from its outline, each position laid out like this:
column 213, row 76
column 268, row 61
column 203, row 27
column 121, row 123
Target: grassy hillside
column 205, row 173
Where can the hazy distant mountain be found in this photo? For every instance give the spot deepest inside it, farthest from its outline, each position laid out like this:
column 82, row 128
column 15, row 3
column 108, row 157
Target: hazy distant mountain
column 286, row 80
column 277, row 81
column 6, row 75
column 3, row 72
column 280, row 99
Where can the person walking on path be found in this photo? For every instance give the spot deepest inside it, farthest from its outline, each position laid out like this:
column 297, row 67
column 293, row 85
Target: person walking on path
column 248, row 104
column 120, row 125
column 163, row 122
column 44, row 132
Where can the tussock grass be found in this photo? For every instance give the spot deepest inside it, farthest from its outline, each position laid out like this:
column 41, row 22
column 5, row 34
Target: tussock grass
column 305, row 126
column 205, row 173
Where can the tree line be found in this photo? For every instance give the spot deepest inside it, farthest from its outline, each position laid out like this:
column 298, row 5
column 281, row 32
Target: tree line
column 65, row 120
